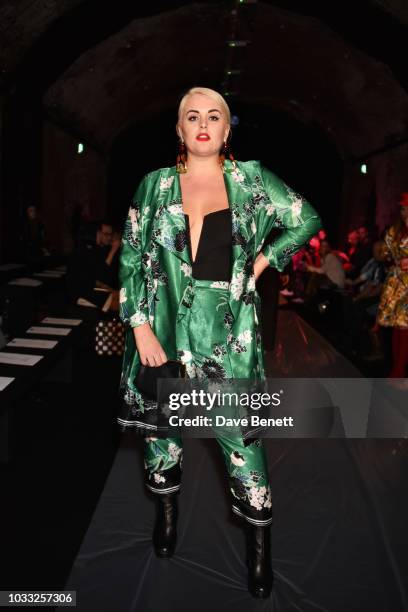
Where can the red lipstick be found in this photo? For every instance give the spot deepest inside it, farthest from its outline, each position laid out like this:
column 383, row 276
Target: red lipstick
column 203, row 137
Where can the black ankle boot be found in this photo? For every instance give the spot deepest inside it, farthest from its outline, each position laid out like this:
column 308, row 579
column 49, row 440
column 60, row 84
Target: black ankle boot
column 165, row 528
column 260, row 576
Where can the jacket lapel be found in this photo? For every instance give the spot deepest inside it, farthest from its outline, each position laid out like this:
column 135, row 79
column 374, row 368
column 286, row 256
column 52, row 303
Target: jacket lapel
column 169, row 226
column 239, row 197
column 243, row 232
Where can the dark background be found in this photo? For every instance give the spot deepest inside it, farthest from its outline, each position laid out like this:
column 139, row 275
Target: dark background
column 318, row 90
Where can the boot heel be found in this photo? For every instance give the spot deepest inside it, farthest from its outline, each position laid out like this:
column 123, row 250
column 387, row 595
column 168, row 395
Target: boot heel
column 165, row 528
column 260, row 574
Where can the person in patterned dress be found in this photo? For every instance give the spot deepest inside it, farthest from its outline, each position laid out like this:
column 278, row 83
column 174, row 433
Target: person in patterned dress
column 393, row 307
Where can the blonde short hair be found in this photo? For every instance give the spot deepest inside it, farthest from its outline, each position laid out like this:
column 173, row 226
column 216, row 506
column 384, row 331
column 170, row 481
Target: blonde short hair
column 211, row 93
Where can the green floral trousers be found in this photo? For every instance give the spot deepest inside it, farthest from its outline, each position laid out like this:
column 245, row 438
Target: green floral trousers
column 202, row 345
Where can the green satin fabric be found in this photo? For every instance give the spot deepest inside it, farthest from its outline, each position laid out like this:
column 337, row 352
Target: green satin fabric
column 155, row 268
column 204, row 322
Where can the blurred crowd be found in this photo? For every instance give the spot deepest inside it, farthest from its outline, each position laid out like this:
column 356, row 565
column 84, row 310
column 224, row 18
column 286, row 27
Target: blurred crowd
column 93, row 267
column 362, row 291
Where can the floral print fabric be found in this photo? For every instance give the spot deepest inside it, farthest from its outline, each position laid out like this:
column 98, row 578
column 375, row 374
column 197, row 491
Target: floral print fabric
column 155, row 270
column 205, row 343
column 393, row 307
column 246, row 466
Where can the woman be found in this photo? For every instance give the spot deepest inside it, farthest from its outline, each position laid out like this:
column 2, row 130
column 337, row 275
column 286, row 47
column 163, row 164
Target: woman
column 393, row 307
column 190, row 258
column 329, row 275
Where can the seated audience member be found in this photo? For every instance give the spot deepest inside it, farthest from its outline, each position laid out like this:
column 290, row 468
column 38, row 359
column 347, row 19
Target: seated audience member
column 92, row 271
column 371, row 276
column 33, row 236
column 367, row 288
column 343, row 258
column 365, row 241
column 300, row 261
column 330, row 274
column 359, row 252
column 352, row 241
column 294, row 277
column 313, row 248
column 365, row 244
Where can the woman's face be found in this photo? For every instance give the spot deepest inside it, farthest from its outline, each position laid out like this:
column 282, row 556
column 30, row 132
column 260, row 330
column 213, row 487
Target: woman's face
column 203, row 126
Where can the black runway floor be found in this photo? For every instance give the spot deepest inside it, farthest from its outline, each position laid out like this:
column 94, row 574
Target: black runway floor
column 339, row 512
column 82, row 518
column 336, row 534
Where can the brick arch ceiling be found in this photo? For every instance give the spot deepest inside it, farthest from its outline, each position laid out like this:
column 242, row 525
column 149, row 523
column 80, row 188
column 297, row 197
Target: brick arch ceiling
column 23, row 22
column 295, row 62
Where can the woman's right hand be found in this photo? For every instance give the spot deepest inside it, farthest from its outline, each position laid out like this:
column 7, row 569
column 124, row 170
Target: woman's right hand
column 149, row 348
column 404, row 264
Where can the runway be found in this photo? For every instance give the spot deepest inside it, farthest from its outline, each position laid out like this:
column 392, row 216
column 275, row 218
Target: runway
column 339, row 507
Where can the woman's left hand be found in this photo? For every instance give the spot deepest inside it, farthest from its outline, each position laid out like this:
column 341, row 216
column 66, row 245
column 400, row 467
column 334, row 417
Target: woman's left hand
column 259, row 266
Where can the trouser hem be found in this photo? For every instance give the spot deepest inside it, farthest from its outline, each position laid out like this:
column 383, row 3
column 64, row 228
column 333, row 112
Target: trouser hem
column 257, row 522
column 163, row 491
column 126, row 424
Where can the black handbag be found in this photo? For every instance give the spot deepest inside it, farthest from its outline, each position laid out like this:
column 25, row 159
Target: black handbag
column 147, row 377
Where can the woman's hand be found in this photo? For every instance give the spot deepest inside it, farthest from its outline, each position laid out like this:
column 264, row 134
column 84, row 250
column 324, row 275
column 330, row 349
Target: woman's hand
column 149, row 348
column 404, row 264
column 259, row 266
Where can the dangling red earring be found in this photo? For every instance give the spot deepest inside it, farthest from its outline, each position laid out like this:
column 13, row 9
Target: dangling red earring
column 181, row 163
column 232, row 160
column 222, row 155
column 227, row 150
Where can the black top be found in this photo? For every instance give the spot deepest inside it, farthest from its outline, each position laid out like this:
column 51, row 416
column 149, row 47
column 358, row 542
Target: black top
column 213, row 257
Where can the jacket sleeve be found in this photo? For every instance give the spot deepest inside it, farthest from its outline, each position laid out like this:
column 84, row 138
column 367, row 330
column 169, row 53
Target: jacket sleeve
column 133, row 302
column 285, row 209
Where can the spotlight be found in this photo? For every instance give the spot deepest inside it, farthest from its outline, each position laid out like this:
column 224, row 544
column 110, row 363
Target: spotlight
column 363, row 168
column 81, row 148
column 322, row 307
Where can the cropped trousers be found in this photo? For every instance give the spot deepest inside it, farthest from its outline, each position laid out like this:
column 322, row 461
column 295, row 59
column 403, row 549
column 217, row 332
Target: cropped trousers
column 203, row 325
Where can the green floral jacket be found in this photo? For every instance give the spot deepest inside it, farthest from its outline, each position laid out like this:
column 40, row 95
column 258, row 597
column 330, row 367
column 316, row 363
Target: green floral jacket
column 155, row 266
